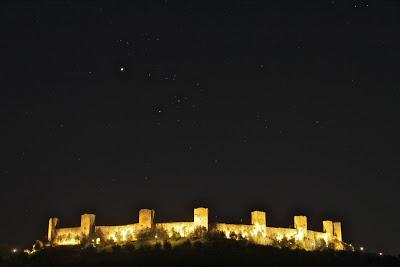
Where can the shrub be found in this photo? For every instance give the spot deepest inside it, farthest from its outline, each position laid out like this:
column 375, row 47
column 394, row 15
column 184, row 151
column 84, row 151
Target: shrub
column 152, row 233
column 320, row 244
column 233, row 235
column 198, row 232
column 215, row 236
column 130, row 246
column 197, row 244
column 175, row 235
column 186, row 244
column 167, row 245
column 157, row 246
column 99, row 234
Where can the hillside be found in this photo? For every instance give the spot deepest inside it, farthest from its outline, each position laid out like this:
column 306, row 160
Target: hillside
column 218, row 252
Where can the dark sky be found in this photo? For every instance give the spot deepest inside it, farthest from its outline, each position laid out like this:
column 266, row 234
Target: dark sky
column 288, row 106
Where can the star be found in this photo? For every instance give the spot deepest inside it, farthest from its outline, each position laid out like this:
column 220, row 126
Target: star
column 122, row 69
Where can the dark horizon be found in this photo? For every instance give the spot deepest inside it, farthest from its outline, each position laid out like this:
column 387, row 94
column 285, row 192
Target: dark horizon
column 286, row 107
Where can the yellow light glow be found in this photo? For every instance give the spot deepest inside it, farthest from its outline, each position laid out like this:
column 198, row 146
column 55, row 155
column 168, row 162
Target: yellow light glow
column 258, row 232
column 279, row 237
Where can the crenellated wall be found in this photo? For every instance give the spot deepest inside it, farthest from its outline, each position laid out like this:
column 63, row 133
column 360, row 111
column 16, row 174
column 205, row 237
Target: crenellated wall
column 257, row 231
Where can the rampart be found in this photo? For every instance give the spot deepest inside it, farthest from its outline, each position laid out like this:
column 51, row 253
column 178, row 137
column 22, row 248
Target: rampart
column 257, row 231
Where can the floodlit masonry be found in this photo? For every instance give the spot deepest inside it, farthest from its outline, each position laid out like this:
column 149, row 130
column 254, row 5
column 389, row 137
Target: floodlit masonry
column 257, row 231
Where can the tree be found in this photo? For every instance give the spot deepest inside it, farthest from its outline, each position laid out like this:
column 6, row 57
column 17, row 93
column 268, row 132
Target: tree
column 233, row 235
column 198, row 232
column 215, row 235
column 175, row 235
column 118, row 236
column 152, row 233
column 98, row 235
column 167, row 245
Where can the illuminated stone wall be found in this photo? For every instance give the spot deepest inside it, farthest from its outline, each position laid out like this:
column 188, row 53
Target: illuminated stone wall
column 257, row 231
column 68, row 236
column 240, row 230
column 280, row 233
column 118, row 233
column 183, row 229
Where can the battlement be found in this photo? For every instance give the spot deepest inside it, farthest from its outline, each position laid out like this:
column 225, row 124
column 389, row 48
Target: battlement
column 257, row 231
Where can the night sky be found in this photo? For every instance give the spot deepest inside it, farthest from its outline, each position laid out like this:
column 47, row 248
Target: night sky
column 287, row 106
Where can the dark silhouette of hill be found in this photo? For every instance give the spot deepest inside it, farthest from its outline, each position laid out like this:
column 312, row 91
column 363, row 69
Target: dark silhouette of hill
column 194, row 253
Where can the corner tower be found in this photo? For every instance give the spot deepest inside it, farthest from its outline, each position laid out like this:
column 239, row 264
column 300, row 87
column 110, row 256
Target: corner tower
column 52, row 229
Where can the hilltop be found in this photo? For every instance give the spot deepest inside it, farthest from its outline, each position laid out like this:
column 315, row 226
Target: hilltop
column 209, row 251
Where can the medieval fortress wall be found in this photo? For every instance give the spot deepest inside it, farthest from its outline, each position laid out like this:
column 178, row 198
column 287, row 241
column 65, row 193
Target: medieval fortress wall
column 258, row 231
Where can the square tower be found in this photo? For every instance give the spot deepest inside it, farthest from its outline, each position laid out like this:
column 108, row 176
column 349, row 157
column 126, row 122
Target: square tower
column 300, row 222
column 201, row 217
column 52, row 229
column 327, row 227
column 258, row 218
column 337, row 230
column 87, row 224
column 146, row 218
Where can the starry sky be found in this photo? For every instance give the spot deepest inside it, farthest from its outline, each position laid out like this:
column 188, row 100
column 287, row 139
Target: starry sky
column 287, row 106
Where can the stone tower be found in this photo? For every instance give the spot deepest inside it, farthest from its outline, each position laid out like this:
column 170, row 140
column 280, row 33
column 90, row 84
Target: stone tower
column 146, row 218
column 300, row 222
column 201, row 217
column 88, row 224
column 52, row 229
column 327, row 227
column 337, row 230
column 258, row 218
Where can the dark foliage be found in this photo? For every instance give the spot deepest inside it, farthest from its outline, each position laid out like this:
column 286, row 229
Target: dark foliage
column 153, row 233
column 216, row 252
column 199, row 232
